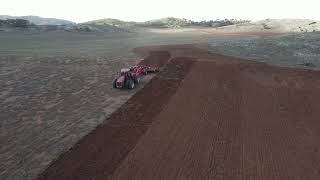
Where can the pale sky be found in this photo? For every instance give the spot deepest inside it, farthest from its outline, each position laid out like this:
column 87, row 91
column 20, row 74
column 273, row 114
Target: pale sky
column 141, row 10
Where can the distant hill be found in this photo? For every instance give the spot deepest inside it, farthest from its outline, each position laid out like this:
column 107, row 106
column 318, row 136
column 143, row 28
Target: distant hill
column 39, row 24
column 16, row 23
column 38, row 20
column 275, row 25
column 110, row 21
column 157, row 23
column 168, row 22
column 164, row 22
column 94, row 28
column 21, row 25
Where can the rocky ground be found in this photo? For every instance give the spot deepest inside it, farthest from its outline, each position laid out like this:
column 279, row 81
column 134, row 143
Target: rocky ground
column 295, row 50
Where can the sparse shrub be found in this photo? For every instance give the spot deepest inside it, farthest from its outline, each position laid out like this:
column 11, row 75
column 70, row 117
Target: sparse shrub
column 265, row 26
column 219, row 23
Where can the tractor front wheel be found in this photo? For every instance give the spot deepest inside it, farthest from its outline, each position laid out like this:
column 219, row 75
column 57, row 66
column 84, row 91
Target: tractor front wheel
column 114, row 83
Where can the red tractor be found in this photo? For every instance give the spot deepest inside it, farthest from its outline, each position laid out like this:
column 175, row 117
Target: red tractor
column 129, row 77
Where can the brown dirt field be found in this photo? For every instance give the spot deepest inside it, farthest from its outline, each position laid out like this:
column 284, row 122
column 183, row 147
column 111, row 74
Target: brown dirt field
column 214, row 117
column 156, row 58
column 94, row 157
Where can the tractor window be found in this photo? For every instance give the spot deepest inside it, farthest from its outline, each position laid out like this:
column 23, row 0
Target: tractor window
column 128, row 74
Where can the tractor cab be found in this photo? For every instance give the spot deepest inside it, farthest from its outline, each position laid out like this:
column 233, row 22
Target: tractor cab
column 125, row 72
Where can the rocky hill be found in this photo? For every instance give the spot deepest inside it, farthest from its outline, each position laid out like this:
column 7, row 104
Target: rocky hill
column 18, row 25
column 15, row 23
column 38, row 20
column 168, row 22
column 110, row 21
column 275, row 25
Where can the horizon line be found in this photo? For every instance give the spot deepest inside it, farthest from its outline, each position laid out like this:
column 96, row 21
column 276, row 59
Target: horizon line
column 155, row 18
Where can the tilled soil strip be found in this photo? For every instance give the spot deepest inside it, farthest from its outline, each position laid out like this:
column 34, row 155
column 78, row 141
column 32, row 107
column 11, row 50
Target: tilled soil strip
column 233, row 121
column 99, row 153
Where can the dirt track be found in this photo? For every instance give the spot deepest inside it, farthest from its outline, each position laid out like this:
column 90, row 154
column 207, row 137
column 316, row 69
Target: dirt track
column 207, row 116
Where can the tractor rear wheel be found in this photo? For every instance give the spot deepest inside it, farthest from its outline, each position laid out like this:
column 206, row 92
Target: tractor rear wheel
column 131, row 84
column 137, row 80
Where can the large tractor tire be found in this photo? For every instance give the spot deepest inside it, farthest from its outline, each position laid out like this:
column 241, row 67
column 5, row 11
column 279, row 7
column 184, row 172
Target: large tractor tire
column 137, row 80
column 130, row 84
column 114, row 83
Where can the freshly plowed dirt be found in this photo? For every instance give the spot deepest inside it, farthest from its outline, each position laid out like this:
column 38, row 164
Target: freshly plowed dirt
column 156, row 58
column 214, row 117
column 99, row 153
